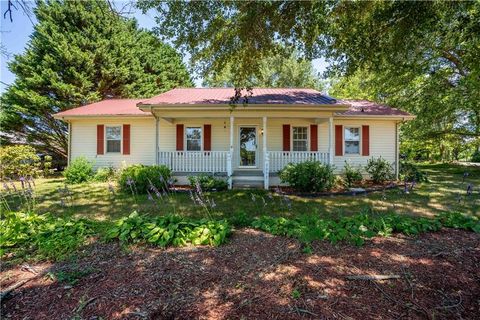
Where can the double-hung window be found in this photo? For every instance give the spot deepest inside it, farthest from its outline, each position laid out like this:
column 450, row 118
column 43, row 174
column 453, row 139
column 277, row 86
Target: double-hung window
column 194, row 138
column 352, row 140
column 300, row 139
column 113, row 138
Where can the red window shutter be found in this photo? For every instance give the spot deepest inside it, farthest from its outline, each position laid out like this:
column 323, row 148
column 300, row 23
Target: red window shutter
column 126, row 139
column 338, row 140
column 207, row 137
column 313, row 137
column 286, row 137
column 100, row 138
column 365, row 140
column 179, row 137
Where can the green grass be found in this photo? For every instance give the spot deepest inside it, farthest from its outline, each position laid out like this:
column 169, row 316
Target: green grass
column 94, row 200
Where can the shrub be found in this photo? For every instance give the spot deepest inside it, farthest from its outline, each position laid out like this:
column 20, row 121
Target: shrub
column 42, row 236
column 141, row 178
column 476, row 156
column 169, row 230
column 208, row 183
column 47, row 166
column 18, row 161
column 310, row 176
column 410, row 172
column 80, row 170
column 104, row 174
column 380, row 170
column 351, row 175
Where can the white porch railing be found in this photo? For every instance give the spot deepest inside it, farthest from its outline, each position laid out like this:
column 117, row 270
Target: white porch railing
column 279, row 159
column 194, row 161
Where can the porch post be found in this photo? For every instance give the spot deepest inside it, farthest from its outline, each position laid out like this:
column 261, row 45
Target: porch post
column 230, row 155
column 157, row 140
column 266, row 167
column 330, row 140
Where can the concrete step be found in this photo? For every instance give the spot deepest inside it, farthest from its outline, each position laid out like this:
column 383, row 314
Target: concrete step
column 248, row 173
column 247, row 184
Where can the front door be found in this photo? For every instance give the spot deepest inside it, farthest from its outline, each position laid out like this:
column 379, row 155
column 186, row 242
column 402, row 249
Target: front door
column 248, row 146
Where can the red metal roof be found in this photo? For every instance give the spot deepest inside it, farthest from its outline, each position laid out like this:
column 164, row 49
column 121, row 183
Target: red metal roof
column 223, row 96
column 202, row 96
column 107, row 107
column 368, row 108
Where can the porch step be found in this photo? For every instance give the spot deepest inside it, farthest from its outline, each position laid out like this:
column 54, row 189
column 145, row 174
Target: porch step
column 247, row 184
column 247, row 173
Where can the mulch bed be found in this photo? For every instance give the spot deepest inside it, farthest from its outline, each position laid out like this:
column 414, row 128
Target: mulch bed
column 260, row 276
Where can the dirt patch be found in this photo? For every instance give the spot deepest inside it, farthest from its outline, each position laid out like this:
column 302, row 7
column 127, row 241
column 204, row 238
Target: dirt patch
column 259, row 276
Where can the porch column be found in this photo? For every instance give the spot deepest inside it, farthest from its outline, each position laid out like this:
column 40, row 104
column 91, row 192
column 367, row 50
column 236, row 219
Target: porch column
column 157, row 140
column 266, row 160
column 230, row 155
column 330, row 140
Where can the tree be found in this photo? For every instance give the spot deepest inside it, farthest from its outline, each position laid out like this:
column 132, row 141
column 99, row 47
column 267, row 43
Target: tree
column 274, row 72
column 81, row 52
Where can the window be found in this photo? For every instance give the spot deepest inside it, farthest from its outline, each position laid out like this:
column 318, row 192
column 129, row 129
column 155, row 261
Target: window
column 114, row 138
column 300, row 139
column 194, row 139
column 352, row 140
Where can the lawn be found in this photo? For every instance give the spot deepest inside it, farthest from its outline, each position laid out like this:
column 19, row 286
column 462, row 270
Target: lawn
column 445, row 191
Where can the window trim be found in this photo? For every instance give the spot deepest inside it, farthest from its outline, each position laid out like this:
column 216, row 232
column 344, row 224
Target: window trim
column 308, row 137
column 359, row 140
column 185, row 137
column 121, row 139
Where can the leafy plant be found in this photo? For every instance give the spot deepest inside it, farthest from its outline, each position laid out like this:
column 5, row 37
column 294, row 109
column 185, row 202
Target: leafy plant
column 18, row 161
column 476, row 156
column 141, row 178
column 309, row 176
column 351, row 175
column 379, row 169
column 80, row 170
column 47, row 166
column 104, row 174
column 169, row 230
column 72, row 276
column 410, row 172
column 208, row 182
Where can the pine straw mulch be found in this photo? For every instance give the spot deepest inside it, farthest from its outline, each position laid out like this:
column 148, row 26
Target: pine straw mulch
column 259, row 276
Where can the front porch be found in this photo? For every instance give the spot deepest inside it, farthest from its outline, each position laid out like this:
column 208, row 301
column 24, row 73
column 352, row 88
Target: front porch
column 248, row 158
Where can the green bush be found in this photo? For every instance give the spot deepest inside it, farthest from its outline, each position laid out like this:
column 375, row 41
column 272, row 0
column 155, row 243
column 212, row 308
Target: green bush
column 141, row 178
column 379, row 169
column 351, row 176
column 410, row 172
column 309, row 176
column 41, row 236
column 104, row 174
column 169, row 230
column 18, row 161
column 208, row 183
column 476, row 156
column 355, row 229
column 80, row 170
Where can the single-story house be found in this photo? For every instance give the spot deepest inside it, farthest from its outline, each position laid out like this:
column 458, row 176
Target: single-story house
column 196, row 130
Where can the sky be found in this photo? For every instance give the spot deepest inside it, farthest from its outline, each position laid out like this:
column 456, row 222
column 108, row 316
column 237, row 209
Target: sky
column 15, row 36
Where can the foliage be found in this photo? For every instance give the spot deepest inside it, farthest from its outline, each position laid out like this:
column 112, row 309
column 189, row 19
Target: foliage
column 309, row 176
column 351, row 175
column 81, row 52
column 169, row 230
column 80, row 170
column 208, row 183
column 476, row 156
column 379, row 169
column 279, row 71
column 47, row 166
column 410, row 172
column 41, row 236
column 18, row 161
column 355, row 229
column 70, row 277
column 104, row 174
column 140, row 178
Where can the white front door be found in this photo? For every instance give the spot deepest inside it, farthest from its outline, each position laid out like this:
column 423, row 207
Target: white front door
column 248, row 146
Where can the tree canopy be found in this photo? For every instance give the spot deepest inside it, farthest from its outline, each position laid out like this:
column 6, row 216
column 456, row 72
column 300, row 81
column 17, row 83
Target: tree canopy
column 81, row 52
column 423, row 57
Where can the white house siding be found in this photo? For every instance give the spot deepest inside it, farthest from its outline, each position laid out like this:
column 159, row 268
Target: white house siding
column 142, row 141
column 382, row 142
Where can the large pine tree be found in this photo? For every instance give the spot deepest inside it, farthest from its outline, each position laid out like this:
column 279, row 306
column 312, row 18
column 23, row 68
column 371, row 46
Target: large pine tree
column 81, row 52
